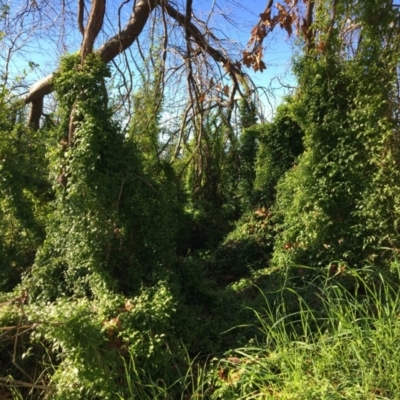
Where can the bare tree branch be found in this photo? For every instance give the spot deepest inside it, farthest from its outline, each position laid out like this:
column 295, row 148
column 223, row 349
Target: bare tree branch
column 130, row 33
column 200, row 39
column 142, row 9
column 93, row 27
column 81, row 11
column 308, row 22
column 107, row 52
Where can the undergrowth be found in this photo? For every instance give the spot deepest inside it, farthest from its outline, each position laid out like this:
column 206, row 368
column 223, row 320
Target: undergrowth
column 341, row 343
column 334, row 337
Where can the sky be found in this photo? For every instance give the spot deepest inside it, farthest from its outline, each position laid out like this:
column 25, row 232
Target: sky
column 232, row 20
column 277, row 80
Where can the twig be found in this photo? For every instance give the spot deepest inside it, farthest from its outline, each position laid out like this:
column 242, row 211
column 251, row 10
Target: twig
column 12, row 382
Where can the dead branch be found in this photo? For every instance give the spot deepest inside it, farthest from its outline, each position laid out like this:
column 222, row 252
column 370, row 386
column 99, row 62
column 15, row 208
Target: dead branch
column 200, row 40
column 120, row 42
column 309, row 37
column 12, row 383
column 124, row 39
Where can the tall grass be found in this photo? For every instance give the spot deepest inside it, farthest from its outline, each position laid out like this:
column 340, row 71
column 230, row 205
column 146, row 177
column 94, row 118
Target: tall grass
column 341, row 343
column 321, row 335
column 193, row 382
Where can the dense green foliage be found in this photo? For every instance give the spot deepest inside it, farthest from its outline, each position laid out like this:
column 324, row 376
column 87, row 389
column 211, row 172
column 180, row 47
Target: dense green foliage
column 340, row 203
column 110, row 226
column 25, row 193
column 281, row 142
column 127, row 275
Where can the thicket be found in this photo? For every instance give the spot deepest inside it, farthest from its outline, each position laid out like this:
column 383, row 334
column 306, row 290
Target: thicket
column 340, row 202
column 25, row 193
column 126, row 275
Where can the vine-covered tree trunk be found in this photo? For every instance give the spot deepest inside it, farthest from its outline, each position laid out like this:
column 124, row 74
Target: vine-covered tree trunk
column 340, row 203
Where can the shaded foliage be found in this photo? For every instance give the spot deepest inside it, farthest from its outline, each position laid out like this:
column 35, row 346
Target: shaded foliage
column 280, row 144
column 25, row 192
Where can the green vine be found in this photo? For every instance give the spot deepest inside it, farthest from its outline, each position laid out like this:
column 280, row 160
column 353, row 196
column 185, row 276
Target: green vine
column 340, row 202
column 105, row 232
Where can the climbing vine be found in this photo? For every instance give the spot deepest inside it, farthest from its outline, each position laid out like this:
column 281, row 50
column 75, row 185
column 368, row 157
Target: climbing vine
column 340, row 201
column 105, row 232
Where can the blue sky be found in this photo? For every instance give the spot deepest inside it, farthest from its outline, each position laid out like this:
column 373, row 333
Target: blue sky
column 46, row 47
column 277, row 79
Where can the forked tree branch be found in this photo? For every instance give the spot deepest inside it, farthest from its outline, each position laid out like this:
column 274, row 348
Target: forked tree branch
column 108, row 51
column 200, row 39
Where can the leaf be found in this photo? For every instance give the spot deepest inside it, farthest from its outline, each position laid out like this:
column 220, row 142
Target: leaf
column 266, row 17
column 321, row 47
column 247, row 59
column 262, row 212
column 129, row 305
column 258, row 32
column 287, row 24
column 285, row 19
column 234, row 360
column 202, row 97
column 258, row 63
column 254, row 60
column 226, row 90
column 222, row 374
column 259, row 66
column 282, row 10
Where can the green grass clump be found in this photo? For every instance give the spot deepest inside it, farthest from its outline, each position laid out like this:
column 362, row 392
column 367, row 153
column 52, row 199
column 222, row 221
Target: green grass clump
column 341, row 345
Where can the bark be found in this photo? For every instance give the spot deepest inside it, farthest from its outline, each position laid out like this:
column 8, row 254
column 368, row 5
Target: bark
column 200, row 39
column 308, row 21
column 40, row 89
column 81, row 12
column 35, row 96
column 93, row 27
column 192, row 31
column 35, row 113
column 120, row 42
